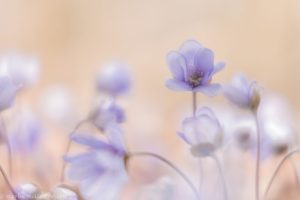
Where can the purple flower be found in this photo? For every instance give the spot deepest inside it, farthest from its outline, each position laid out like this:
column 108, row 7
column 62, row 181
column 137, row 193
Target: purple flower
column 100, row 171
column 23, row 70
column 27, row 191
column 26, row 133
column 203, row 132
column 114, row 79
column 242, row 93
column 8, row 91
column 106, row 114
column 192, row 68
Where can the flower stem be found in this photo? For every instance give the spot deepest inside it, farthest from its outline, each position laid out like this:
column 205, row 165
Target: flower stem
column 287, row 156
column 257, row 167
column 222, row 176
column 170, row 164
column 8, row 183
column 62, row 177
column 194, row 103
column 9, row 151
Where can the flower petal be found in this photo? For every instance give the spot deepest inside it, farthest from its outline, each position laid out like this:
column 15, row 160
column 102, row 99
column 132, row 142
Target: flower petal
column 189, row 49
column 177, row 65
column 218, row 67
column 177, row 85
column 204, row 60
column 90, row 141
column 236, row 96
column 209, row 90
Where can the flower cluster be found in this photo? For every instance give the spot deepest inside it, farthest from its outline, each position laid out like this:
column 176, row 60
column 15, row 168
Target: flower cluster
column 99, row 168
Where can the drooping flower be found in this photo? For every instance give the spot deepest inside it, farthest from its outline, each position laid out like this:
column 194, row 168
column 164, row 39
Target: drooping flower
column 203, row 132
column 23, row 70
column 242, row 93
column 8, row 91
column 192, row 68
column 100, row 171
column 106, row 114
column 114, row 79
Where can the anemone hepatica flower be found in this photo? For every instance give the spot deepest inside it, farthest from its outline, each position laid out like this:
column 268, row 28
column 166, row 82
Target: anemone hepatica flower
column 101, row 171
column 23, row 70
column 8, row 91
column 192, row 68
column 106, row 114
column 203, row 132
column 242, row 93
column 114, row 79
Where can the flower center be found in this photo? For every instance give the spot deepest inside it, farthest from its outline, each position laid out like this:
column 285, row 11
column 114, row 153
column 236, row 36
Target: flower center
column 195, row 79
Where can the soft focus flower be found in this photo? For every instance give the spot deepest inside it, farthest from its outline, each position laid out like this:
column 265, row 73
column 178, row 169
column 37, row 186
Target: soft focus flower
column 101, row 171
column 242, row 93
column 25, row 133
column 8, row 91
column 30, row 191
column 114, row 79
column 63, row 193
column 23, row 70
column 162, row 189
column 203, row 132
column 107, row 113
column 192, row 68
column 27, row 191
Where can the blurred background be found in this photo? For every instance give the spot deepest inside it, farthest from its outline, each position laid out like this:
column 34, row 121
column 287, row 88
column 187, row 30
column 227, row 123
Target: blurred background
column 73, row 39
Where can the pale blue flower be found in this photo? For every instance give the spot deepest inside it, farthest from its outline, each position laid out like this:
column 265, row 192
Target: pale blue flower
column 8, row 91
column 193, row 67
column 101, row 170
column 203, row 132
column 242, row 92
column 114, row 79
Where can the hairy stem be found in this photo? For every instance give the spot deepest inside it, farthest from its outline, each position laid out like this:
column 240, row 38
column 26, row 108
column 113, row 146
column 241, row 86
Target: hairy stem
column 68, row 148
column 284, row 159
column 223, row 180
column 194, row 103
column 170, row 164
column 257, row 167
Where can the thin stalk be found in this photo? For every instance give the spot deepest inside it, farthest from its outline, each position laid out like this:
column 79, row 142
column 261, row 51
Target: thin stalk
column 9, row 150
column 170, row 164
column 285, row 158
column 257, row 167
column 223, row 180
column 8, row 183
column 194, row 103
column 68, row 148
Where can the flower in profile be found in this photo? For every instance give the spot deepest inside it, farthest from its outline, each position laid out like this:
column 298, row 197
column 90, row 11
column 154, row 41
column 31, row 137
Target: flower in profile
column 107, row 113
column 242, row 93
column 114, row 79
column 23, row 70
column 192, row 68
column 100, row 171
column 203, row 132
column 8, row 91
